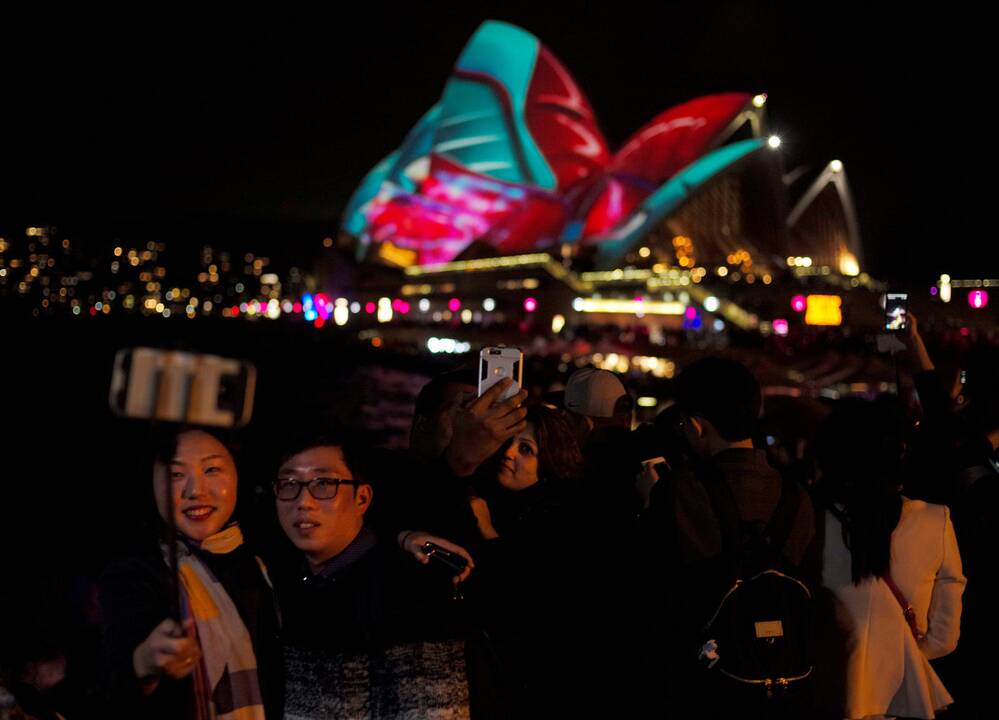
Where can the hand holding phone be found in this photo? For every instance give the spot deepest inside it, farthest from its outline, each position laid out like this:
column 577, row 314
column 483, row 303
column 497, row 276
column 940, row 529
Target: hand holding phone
column 648, row 477
column 481, row 427
column 497, row 363
column 452, row 560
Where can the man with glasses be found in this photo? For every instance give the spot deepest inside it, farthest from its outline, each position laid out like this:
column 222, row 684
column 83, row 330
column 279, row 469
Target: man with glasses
column 321, row 507
column 366, row 630
column 342, row 597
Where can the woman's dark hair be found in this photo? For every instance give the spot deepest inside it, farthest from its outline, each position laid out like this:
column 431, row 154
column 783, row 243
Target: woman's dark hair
column 859, row 451
column 560, row 461
column 165, row 441
column 559, row 457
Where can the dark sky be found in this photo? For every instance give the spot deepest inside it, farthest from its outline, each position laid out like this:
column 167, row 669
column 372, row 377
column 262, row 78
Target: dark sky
column 145, row 121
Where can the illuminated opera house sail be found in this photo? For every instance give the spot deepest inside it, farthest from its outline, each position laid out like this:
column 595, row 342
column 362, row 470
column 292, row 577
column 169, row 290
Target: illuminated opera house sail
column 511, row 162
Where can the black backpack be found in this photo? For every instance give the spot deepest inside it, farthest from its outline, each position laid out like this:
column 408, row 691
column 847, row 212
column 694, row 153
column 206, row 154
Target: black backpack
column 758, row 635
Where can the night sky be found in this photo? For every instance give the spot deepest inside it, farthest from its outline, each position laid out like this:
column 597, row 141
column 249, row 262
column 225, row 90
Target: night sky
column 138, row 124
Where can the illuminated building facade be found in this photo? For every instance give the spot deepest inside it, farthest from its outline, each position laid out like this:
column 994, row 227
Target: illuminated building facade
column 507, row 187
column 511, row 161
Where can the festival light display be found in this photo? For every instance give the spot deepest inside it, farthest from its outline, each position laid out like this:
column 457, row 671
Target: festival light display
column 824, row 310
column 512, row 157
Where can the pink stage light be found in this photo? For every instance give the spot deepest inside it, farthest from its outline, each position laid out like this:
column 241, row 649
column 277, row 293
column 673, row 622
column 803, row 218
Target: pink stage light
column 530, row 304
column 454, row 304
column 780, row 327
column 799, row 303
column 978, row 299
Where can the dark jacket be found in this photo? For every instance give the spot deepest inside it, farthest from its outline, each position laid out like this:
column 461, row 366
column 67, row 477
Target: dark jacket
column 368, row 605
column 134, row 597
column 529, row 595
column 685, row 547
column 369, row 597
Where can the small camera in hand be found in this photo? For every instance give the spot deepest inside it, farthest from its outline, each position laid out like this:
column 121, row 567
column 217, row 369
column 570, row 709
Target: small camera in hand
column 452, row 560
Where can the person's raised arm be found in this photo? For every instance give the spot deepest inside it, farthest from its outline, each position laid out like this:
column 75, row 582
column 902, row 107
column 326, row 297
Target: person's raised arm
column 482, row 426
column 933, row 396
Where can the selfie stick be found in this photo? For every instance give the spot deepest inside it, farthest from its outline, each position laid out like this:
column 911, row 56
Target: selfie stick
column 171, row 524
column 171, row 537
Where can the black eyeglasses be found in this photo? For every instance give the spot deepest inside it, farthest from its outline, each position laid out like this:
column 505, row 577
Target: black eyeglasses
column 321, row 488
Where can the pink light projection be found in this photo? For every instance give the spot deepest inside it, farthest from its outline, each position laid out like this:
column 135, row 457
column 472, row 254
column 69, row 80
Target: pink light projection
column 978, row 299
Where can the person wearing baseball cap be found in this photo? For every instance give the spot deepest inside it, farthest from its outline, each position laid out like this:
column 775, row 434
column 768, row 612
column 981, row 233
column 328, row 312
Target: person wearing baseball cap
column 594, row 399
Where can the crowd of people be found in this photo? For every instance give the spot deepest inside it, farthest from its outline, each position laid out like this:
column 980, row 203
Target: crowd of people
column 540, row 556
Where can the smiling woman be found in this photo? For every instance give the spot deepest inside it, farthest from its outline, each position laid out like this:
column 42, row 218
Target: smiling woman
column 220, row 652
column 202, row 479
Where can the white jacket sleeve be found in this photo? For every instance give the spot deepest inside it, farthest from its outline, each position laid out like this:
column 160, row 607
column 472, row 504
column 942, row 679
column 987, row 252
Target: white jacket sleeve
column 944, row 617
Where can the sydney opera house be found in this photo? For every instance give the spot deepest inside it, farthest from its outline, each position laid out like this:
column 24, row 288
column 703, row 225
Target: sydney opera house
column 506, row 191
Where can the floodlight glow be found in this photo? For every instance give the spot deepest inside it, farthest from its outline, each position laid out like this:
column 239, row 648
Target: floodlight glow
column 978, row 299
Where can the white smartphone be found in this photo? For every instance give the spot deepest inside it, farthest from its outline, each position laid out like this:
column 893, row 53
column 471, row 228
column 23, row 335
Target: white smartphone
column 496, row 363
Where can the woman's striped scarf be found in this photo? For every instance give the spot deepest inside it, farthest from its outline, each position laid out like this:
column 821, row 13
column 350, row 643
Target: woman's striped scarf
column 225, row 682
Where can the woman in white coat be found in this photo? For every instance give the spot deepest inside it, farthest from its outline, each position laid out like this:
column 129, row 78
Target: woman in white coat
column 881, row 553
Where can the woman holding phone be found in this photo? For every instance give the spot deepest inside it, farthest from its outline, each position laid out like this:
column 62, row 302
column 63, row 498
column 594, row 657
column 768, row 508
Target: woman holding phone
column 219, row 657
column 525, row 502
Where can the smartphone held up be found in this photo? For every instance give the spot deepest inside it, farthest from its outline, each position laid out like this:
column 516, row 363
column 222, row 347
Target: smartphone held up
column 496, row 363
column 896, row 311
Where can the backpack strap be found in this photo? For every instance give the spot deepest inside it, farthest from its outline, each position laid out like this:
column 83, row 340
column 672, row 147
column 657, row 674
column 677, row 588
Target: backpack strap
column 726, row 511
column 778, row 529
column 775, row 534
